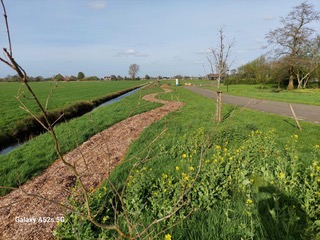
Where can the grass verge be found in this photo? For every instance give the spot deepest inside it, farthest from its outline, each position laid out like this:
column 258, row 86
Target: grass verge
column 270, row 92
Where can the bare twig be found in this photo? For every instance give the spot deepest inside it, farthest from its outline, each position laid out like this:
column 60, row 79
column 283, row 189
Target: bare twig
column 7, row 26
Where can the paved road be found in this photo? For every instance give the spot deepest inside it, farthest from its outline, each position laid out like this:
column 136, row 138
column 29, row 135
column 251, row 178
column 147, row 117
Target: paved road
column 304, row 112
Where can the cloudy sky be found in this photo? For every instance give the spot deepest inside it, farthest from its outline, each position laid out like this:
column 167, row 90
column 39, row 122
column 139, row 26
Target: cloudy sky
column 165, row 37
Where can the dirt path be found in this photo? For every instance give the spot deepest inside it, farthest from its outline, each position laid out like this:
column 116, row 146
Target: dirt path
column 309, row 113
column 95, row 158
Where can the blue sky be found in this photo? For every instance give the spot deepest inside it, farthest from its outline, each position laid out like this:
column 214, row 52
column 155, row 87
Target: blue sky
column 167, row 37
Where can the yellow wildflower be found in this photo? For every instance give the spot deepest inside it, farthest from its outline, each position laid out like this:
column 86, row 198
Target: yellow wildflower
column 184, row 155
column 281, row 175
column 185, row 176
column 249, row 201
column 177, row 168
column 164, row 175
column 191, row 168
column 104, row 219
column 167, row 237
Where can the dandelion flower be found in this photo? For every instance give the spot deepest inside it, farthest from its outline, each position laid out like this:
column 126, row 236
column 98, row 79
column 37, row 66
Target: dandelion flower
column 177, row 168
column 191, row 168
column 184, row 155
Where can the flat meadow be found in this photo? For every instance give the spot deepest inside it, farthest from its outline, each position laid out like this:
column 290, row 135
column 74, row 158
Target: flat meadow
column 61, row 94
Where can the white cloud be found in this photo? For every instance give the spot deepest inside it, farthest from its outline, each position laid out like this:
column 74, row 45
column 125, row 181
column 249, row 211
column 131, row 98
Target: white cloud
column 269, row 18
column 97, row 4
column 130, row 52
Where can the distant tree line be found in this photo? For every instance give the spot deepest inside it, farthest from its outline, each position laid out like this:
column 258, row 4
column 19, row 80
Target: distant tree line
column 269, row 71
column 295, row 57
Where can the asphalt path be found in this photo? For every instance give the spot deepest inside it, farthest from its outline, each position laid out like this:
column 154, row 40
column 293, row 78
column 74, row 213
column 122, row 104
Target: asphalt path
column 309, row 113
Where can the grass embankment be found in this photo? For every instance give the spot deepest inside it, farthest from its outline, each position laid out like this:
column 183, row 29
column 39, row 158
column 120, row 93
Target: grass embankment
column 32, row 158
column 259, row 177
column 70, row 98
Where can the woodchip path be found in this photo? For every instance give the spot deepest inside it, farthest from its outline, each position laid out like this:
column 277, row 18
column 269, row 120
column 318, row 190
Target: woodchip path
column 95, row 158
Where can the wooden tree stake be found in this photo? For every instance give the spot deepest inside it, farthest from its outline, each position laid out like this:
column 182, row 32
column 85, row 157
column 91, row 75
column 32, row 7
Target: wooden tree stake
column 295, row 118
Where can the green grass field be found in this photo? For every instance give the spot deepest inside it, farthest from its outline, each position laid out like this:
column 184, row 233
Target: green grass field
column 259, row 177
column 64, row 94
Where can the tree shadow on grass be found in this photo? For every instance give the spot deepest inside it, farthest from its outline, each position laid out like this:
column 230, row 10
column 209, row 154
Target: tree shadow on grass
column 281, row 215
column 230, row 113
column 292, row 124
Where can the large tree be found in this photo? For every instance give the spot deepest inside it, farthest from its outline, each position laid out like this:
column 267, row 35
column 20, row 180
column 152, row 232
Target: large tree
column 81, row 75
column 133, row 70
column 294, row 37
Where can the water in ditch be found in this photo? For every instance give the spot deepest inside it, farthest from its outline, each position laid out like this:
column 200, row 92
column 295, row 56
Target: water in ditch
column 12, row 147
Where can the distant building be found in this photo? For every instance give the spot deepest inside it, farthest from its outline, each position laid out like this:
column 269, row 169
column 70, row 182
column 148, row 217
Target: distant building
column 112, row 77
column 215, row 76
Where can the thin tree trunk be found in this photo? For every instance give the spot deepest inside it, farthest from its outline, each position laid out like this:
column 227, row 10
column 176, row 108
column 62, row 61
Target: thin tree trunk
column 219, row 106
